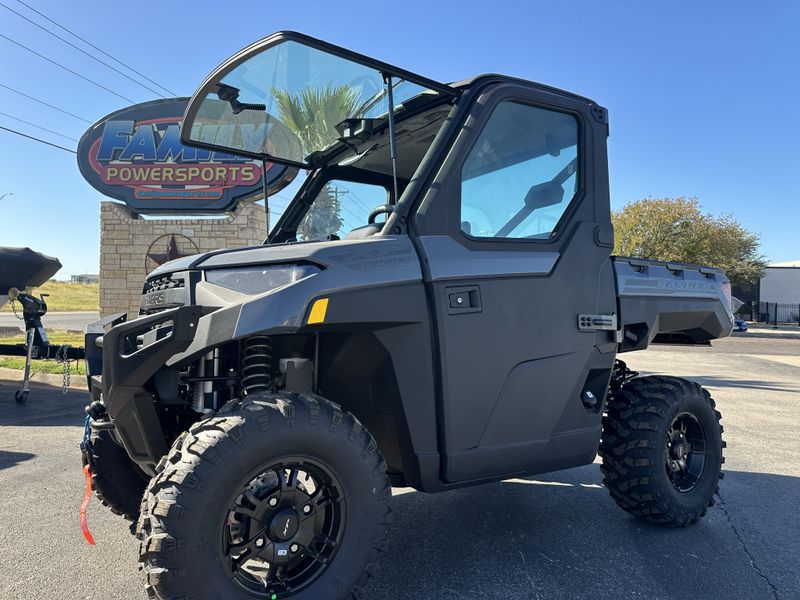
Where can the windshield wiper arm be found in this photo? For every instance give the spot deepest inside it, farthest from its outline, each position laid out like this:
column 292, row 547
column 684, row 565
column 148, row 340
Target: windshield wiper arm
column 375, row 99
column 230, row 94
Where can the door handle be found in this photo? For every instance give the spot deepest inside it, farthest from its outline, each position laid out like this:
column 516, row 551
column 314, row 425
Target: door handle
column 462, row 300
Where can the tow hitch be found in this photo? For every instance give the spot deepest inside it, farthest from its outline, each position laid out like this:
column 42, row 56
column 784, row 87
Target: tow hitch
column 87, row 473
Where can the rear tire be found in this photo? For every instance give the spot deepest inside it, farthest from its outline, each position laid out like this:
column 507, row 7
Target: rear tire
column 223, row 475
column 662, row 450
column 116, row 480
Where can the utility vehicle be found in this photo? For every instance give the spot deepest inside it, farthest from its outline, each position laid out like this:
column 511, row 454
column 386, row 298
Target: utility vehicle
column 437, row 307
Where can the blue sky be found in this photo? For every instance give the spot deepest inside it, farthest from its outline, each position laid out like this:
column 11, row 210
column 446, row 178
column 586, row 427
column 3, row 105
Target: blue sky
column 702, row 96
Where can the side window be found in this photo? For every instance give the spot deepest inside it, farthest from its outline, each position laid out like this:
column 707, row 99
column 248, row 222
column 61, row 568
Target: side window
column 521, row 175
column 340, row 207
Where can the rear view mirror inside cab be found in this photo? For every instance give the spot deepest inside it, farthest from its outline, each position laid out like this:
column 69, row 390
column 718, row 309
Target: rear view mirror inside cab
column 544, row 194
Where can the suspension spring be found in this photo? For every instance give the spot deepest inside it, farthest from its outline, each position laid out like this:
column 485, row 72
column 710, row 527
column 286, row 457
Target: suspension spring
column 256, row 364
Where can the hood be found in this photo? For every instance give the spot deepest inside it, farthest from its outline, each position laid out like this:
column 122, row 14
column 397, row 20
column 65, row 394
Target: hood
column 376, row 252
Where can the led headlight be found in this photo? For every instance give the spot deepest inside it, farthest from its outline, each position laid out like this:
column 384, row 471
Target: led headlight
column 257, row 279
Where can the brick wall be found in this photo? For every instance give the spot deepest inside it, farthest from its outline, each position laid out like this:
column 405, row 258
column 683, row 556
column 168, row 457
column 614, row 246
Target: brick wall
column 126, row 240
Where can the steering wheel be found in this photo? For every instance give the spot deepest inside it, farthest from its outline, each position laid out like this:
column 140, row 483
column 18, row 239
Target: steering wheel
column 383, row 209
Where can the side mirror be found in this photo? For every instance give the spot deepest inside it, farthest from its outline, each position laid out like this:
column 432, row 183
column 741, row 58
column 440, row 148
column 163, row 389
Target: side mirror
column 544, row 194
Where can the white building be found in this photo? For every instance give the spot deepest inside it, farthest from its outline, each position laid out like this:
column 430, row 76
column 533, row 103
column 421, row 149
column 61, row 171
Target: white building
column 781, row 283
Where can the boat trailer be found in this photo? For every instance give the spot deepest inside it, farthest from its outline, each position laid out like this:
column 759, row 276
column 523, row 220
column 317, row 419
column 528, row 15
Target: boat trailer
column 23, row 269
column 37, row 346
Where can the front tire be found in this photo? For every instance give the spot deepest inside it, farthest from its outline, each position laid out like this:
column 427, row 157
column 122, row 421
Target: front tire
column 277, row 496
column 662, row 450
column 116, row 480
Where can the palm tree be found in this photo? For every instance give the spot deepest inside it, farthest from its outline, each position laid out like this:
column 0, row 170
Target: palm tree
column 313, row 115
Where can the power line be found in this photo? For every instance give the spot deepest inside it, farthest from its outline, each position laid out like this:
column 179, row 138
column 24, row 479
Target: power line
column 38, row 126
column 66, row 112
column 30, row 137
column 92, row 81
column 87, row 42
column 79, row 49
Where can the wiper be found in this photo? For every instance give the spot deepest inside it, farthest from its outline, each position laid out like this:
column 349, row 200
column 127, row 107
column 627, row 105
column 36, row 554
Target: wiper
column 375, row 99
column 230, row 94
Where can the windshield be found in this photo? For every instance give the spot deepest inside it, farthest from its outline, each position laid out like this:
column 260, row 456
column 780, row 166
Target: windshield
column 340, row 208
column 286, row 101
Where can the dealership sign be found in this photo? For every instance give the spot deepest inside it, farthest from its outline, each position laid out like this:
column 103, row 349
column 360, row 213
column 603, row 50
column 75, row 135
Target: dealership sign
column 135, row 155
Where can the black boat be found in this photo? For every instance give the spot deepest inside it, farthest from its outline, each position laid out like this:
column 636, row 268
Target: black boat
column 23, row 268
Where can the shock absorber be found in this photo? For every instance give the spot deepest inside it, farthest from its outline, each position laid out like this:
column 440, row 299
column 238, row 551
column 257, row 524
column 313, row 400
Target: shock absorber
column 256, row 364
column 205, row 395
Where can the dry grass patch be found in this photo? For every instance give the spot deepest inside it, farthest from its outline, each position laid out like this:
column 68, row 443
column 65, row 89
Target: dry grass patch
column 66, row 296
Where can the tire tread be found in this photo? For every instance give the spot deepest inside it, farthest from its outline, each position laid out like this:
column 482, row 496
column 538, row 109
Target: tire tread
column 206, row 441
column 636, row 414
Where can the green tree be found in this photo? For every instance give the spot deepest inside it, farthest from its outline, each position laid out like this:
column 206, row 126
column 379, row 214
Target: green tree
column 313, row 115
column 676, row 229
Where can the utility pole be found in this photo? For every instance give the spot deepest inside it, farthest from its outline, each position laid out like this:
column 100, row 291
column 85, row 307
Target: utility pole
column 338, row 191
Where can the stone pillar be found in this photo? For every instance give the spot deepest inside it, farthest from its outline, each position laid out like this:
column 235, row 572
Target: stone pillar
column 131, row 246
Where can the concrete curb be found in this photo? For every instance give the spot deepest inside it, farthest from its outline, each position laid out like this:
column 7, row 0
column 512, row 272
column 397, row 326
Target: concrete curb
column 768, row 334
column 77, row 382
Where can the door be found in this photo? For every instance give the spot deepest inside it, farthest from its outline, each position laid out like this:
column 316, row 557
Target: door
column 515, row 236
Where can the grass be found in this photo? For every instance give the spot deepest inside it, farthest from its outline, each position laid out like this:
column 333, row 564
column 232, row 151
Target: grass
column 42, row 366
column 66, row 296
column 56, row 337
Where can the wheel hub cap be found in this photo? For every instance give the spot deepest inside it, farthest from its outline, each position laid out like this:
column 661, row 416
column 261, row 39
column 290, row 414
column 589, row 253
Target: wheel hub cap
column 685, row 452
column 283, row 529
column 284, row 526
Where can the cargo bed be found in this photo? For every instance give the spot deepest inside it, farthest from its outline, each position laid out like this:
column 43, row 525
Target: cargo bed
column 661, row 302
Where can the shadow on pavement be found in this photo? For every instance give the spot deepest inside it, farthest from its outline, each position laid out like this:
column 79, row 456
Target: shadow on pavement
column 561, row 536
column 46, row 406
column 751, row 384
column 11, row 459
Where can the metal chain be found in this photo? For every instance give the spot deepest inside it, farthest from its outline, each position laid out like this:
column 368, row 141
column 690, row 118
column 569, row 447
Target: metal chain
column 14, row 309
column 62, row 357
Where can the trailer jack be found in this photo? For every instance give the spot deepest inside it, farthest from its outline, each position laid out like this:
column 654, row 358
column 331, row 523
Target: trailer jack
column 37, row 346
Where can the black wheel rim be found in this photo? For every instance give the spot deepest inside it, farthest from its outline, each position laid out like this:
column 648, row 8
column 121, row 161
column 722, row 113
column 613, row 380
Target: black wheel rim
column 284, row 528
column 685, row 455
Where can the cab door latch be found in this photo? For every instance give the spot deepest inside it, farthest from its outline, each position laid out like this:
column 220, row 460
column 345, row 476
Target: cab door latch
column 597, row 322
column 463, row 300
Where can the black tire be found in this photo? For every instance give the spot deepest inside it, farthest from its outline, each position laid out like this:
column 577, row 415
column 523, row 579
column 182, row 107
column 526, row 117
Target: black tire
column 638, row 465
column 187, row 506
column 116, row 480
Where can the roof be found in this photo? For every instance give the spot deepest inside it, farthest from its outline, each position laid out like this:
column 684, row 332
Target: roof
column 788, row 263
column 465, row 83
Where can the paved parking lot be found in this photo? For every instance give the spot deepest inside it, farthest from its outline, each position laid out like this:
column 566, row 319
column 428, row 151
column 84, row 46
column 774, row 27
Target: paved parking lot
column 553, row 536
column 72, row 321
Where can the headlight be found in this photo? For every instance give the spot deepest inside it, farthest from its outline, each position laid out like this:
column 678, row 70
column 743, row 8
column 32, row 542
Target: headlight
column 257, row 279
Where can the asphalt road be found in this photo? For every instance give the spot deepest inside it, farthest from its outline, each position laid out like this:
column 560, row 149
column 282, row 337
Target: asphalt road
column 72, row 321
column 553, row 536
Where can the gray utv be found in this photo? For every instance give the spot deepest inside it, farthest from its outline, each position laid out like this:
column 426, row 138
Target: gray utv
column 436, row 307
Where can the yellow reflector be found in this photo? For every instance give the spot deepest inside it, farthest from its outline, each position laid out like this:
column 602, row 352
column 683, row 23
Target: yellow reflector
column 318, row 311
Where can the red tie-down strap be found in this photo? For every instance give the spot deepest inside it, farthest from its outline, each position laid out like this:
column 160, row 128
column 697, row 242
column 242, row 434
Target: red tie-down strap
column 86, row 497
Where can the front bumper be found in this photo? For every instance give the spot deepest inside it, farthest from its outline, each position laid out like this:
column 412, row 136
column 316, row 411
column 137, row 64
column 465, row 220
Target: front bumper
column 121, row 360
